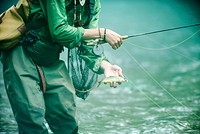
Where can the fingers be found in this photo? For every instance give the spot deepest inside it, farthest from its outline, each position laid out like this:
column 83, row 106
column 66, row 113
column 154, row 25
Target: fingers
column 114, row 39
column 120, row 73
column 117, row 43
column 118, row 70
column 113, row 84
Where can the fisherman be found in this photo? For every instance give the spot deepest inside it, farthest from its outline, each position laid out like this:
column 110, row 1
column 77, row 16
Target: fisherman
column 37, row 81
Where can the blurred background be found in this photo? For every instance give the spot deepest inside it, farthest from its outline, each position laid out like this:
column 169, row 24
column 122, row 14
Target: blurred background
column 162, row 95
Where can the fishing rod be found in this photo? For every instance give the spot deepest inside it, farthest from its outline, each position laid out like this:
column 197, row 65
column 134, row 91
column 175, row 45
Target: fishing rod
column 148, row 33
column 163, row 30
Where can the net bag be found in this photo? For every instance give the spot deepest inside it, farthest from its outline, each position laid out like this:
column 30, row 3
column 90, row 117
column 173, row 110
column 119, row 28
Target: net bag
column 83, row 79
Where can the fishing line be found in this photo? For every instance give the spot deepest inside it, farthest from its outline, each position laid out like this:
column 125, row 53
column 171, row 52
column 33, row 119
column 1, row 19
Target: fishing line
column 164, row 48
column 133, row 58
column 172, row 50
column 149, row 98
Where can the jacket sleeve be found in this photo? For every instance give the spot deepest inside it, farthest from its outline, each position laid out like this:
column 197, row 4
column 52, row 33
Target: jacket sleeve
column 93, row 61
column 95, row 19
column 60, row 30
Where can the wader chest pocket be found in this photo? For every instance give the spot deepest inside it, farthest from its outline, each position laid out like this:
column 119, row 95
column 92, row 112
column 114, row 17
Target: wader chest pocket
column 43, row 54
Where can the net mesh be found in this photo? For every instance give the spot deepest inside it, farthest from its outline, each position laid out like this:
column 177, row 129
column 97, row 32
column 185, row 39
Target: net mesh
column 83, row 79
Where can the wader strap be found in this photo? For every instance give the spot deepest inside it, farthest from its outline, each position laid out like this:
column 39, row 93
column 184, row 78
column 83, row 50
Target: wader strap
column 42, row 78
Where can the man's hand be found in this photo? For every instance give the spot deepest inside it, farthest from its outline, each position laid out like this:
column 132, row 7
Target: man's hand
column 114, row 39
column 111, row 70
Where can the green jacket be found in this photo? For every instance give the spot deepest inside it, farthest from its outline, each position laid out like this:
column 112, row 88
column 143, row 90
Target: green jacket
column 58, row 26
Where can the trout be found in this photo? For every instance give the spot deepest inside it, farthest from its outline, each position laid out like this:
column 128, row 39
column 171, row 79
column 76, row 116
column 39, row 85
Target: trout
column 116, row 79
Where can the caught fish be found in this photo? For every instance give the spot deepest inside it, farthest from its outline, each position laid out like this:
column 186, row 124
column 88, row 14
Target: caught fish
column 111, row 79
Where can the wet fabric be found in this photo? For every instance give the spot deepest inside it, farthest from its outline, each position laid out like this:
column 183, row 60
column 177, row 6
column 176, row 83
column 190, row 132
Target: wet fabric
column 55, row 15
column 59, row 24
column 23, row 84
column 29, row 104
column 42, row 53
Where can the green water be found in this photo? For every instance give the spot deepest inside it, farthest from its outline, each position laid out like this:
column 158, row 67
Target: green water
column 162, row 95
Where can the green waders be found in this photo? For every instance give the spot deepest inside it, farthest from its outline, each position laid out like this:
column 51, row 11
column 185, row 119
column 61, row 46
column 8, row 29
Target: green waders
column 30, row 105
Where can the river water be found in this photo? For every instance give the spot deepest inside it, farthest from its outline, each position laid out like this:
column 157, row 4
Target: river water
column 162, row 95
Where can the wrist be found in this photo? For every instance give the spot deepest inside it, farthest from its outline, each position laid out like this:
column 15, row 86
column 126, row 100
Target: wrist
column 104, row 35
column 105, row 64
column 98, row 33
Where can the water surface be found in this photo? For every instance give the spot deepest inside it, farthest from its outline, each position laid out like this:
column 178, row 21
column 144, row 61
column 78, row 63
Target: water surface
column 162, row 95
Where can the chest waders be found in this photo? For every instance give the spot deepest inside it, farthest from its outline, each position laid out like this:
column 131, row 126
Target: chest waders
column 31, row 106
